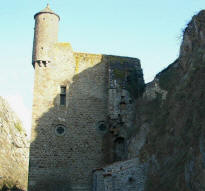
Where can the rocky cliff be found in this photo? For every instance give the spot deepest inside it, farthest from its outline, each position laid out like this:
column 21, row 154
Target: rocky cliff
column 170, row 121
column 13, row 150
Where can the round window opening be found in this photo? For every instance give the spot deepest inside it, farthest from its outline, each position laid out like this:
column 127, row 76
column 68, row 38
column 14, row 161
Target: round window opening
column 102, row 126
column 60, row 130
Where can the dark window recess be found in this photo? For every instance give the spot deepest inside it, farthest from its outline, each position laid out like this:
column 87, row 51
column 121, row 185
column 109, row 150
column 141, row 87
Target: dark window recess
column 102, row 127
column 120, row 149
column 60, row 130
column 62, row 99
column 63, row 95
column 63, row 90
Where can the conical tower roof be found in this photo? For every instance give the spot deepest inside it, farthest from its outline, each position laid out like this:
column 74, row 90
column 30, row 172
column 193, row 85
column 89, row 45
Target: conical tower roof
column 46, row 10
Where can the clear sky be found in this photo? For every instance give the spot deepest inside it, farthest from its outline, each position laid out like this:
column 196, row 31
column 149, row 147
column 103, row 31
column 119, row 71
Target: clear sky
column 146, row 29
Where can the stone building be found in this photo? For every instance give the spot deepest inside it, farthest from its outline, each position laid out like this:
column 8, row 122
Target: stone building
column 83, row 113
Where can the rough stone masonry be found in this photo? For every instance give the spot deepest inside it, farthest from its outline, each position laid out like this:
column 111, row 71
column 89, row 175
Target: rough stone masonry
column 83, row 110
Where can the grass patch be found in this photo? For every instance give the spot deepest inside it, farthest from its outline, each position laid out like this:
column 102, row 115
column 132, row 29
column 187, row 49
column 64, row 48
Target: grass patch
column 18, row 126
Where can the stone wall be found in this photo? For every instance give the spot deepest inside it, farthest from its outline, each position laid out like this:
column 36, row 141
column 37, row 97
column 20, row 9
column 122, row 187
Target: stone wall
column 88, row 141
column 83, row 110
column 70, row 158
column 14, row 149
column 120, row 176
column 126, row 84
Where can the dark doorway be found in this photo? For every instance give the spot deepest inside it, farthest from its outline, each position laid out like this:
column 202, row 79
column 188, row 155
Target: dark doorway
column 120, row 150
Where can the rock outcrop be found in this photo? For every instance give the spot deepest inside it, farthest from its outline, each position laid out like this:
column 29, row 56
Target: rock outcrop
column 170, row 121
column 14, row 149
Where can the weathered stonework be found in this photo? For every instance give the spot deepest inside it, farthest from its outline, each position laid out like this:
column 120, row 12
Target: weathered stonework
column 97, row 115
column 97, row 127
column 14, row 149
column 153, row 89
column 129, row 175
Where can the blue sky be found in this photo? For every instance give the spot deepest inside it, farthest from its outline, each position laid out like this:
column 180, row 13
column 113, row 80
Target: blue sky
column 148, row 30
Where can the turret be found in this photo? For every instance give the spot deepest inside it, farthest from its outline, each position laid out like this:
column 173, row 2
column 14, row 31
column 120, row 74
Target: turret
column 45, row 35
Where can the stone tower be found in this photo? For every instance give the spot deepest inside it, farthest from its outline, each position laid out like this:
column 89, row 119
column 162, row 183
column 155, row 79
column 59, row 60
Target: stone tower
column 82, row 105
column 45, row 34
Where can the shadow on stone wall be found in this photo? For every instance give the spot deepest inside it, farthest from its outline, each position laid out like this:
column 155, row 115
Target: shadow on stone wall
column 57, row 161
column 73, row 140
column 5, row 188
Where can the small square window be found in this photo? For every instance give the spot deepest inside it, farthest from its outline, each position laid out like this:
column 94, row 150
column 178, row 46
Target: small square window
column 63, row 90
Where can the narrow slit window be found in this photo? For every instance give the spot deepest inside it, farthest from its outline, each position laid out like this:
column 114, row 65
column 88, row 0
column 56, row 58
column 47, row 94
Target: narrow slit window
column 63, row 95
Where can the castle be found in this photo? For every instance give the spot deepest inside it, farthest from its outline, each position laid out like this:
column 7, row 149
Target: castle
column 83, row 114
